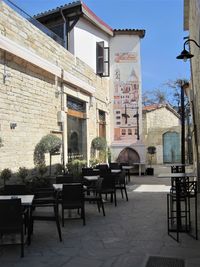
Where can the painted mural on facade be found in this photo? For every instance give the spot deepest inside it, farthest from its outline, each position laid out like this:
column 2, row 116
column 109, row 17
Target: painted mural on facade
column 126, row 96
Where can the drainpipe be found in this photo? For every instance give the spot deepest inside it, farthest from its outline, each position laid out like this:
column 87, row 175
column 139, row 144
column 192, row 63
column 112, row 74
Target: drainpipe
column 64, row 29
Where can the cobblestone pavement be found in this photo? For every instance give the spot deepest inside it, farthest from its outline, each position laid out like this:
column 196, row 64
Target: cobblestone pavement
column 126, row 236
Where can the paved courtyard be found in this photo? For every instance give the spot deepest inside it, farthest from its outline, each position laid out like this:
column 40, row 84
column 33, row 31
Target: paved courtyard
column 126, row 236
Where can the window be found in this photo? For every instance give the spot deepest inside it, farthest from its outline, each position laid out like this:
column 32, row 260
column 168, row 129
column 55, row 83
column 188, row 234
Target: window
column 123, row 131
column 102, row 60
column 129, row 131
column 102, row 124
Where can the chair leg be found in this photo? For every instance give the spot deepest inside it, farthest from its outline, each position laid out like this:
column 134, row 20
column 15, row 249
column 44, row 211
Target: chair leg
column 22, row 243
column 57, row 223
column 115, row 198
column 126, row 194
column 102, row 205
column 62, row 217
column 122, row 193
column 83, row 214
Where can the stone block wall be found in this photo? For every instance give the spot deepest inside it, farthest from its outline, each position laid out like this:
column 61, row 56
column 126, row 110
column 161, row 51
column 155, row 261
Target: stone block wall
column 28, row 93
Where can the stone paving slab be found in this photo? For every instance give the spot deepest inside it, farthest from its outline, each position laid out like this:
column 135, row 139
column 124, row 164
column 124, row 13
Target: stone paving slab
column 126, row 236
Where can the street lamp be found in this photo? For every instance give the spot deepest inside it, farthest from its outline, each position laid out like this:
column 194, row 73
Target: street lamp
column 185, row 54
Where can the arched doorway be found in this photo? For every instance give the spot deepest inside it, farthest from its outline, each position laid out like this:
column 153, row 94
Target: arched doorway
column 128, row 155
column 171, row 147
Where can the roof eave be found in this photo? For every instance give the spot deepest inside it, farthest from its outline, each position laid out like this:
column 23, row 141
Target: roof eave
column 139, row 32
column 89, row 15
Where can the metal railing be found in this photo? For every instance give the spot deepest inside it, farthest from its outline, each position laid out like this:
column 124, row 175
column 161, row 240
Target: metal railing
column 36, row 23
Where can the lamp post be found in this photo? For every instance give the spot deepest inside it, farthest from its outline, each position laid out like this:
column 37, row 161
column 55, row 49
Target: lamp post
column 185, row 54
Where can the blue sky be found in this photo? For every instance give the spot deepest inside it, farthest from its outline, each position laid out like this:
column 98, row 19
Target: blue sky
column 162, row 20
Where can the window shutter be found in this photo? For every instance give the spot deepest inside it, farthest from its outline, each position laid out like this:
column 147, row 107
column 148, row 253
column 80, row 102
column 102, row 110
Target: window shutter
column 103, row 59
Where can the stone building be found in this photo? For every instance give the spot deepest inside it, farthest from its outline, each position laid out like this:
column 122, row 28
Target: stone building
column 161, row 129
column 59, row 77
column 192, row 24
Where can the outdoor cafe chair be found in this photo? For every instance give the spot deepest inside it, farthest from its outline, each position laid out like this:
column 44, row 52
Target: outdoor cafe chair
column 97, row 195
column 64, row 178
column 45, row 207
column 114, row 166
column 108, row 184
column 73, row 198
column 11, row 221
column 120, row 183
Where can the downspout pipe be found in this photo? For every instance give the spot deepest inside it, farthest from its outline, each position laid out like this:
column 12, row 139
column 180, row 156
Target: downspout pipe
column 64, row 29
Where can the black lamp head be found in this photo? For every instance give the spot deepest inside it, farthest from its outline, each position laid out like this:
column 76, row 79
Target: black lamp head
column 185, row 55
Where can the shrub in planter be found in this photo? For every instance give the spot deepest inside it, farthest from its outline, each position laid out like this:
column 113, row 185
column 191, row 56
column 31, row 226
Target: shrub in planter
column 151, row 150
column 75, row 167
column 48, row 144
column 5, row 175
column 99, row 145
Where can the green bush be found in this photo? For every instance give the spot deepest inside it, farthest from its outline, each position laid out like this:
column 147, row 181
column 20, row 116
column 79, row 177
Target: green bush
column 75, row 167
column 99, row 143
column 48, row 144
column 5, row 175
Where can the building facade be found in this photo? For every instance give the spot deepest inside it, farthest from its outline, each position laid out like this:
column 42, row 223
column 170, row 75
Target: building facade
column 192, row 24
column 164, row 135
column 62, row 82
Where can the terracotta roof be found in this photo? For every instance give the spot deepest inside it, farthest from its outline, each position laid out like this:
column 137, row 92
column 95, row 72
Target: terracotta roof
column 80, row 8
column 153, row 107
column 57, row 9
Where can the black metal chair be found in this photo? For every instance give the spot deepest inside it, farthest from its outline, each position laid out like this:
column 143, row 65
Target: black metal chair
column 12, row 219
column 108, row 185
column 181, row 201
column 73, row 198
column 97, row 195
column 45, row 199
column 120, row 183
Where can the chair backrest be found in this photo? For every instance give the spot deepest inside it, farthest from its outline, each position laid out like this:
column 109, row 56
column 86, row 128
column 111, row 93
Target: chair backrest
column 114, row 165
column 108, row 180
column 15, row 189
column 72, row 193
column 63, row 179
column 88, row 172
column 121, row 178
column 11, row 215
column 102, row 166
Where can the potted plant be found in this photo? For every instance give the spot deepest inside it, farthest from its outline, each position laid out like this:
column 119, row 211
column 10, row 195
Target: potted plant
column 48, row 144
column 99, row 145
column 75, row 168
column 151, row 150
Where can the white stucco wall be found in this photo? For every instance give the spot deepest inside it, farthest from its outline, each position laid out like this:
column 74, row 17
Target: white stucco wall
column 127, row 46
column 83, row 39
